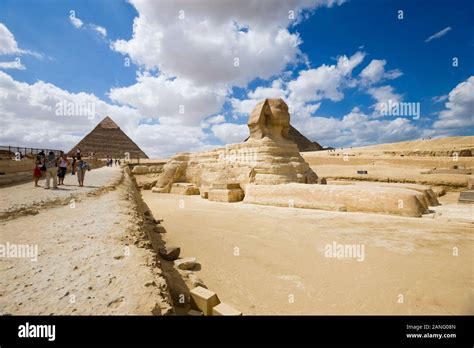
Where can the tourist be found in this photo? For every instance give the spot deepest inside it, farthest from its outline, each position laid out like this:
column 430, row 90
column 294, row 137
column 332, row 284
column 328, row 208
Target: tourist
column 37, row 171
column 51, row 163
column 81, row 168
column 41, row 157
column 78, row 152
column 63, row 163
column 73, row 165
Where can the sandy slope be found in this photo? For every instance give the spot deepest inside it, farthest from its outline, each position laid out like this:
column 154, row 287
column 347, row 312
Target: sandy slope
column 431, row 145
column 281, row 257
column 90, row 260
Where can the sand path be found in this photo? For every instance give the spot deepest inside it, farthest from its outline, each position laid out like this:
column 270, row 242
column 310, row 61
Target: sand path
column 271, row 260
column 26, row 195
column 89, row 260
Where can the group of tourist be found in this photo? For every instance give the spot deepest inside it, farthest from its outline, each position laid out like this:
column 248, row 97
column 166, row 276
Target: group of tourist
column 109, row 162
column 55, row 167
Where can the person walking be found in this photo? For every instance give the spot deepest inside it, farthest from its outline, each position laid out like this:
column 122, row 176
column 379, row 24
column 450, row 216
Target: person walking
column 51, row 163
column 41, row 157
column 37, row 171
column 63, row 163
column 81, row 168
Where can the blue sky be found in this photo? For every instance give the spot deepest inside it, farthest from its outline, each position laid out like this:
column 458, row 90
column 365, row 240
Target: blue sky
column 188, row 62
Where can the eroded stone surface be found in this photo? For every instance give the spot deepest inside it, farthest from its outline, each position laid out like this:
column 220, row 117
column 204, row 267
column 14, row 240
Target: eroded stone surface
column 352, row 198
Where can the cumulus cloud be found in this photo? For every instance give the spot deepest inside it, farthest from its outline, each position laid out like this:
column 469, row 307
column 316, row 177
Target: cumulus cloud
column 324, row 82
column 375, row 72
column 172, row 101
column 9, row 46
column 216, row 42
column 304, row 93
column 386, row 97
column 439, row 34
column 230, row 132
column 357, row 129
column 459, row 109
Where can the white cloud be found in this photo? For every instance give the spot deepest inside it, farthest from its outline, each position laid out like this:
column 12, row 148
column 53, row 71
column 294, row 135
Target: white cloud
column 199, row 41
column 176, row 101
column 304, row 93
column 438, row 34
column 9, row 46
column 356, row 129
column 385, row 97
column 375, row 72
column 459, row 112
column 101, row 30
column 324, row 82
column 15, row 64
column 76, row 22
column 230, row 132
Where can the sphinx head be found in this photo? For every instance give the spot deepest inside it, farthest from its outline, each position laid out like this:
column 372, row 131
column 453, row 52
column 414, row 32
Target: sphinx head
column 270, row 118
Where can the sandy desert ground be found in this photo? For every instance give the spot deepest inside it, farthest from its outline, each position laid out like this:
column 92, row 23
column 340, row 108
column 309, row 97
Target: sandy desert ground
column 279, row 266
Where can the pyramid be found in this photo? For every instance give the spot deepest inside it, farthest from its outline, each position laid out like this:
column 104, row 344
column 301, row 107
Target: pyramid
column 304, row 144
column 108, row 140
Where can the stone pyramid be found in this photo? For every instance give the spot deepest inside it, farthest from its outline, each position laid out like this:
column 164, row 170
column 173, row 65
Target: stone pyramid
column 108, row 140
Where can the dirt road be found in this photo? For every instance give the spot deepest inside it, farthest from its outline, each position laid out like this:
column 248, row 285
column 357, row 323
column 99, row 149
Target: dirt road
column 90, row 257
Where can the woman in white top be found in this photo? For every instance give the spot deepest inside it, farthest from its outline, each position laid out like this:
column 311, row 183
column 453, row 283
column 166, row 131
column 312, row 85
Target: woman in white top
column 63, row 163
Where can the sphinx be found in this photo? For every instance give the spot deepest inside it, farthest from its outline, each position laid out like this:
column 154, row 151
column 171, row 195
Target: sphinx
column 268, row 157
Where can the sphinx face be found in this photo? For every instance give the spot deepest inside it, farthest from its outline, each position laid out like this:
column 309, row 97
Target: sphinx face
column 281, row 118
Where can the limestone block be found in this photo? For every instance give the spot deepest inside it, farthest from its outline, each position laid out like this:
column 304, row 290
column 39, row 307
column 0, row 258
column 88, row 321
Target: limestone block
column 204, row 300
column 224, row 309
column 184, row 189
column 186, row 263
column 466, row 197
column 169, row 253
column 139, row 170
column 226, row 195
column 351, row 198
column 155, row 169
column 204, row 192
column 429, row 196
